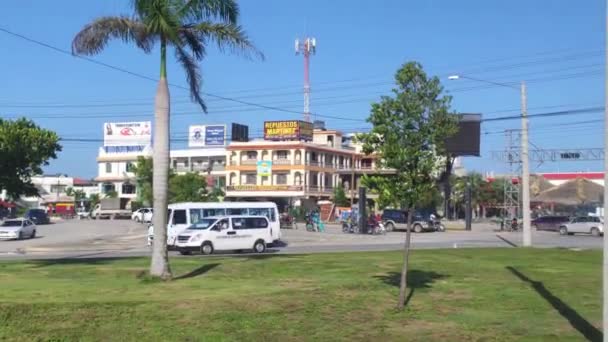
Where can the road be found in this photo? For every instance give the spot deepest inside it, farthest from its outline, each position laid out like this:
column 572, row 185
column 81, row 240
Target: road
column 122, row 238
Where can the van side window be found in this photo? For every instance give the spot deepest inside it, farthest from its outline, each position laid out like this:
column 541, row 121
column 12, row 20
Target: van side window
column 268, row 212
column 196, row 215
column 213, row 212
column 236, row 211
column 249, row 223
column 179, row 217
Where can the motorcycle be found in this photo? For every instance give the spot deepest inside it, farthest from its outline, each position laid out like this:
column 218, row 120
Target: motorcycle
column 377, row 229
column 437, row 226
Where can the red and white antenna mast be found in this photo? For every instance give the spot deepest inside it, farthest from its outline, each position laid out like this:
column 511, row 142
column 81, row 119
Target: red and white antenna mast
column 306, row 47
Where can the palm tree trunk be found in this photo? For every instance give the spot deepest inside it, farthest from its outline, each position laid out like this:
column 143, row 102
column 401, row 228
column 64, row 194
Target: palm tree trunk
column 159, row 266
column 406, row 260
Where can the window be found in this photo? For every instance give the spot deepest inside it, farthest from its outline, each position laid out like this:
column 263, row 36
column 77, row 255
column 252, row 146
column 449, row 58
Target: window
column 57, row 188
column 196, row 215
column 107, row 187
column 595, row 219
column 252, row 155
column 179, row 217
column 236, row 211
column 108, row 167
column 186, row 163
column 174, row 164
column 268, row 212
column 281, row 154
column 130, row 167
column 128, row 188
column 250, row 178
column 282, row 178
column 249, row 223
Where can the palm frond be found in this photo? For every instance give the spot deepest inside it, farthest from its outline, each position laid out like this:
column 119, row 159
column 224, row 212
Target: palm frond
column 191, row 39
column 226, row 11
column 94, row 37
column 228, row 37
column 192, row 74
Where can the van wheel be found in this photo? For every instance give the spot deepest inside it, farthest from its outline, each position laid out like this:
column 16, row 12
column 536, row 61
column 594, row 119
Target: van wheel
column 207, row 248
column 389, row 227
column 595, row 231
column 185, row 252
column 417, row 228
column 259, row 246
column 33, row 234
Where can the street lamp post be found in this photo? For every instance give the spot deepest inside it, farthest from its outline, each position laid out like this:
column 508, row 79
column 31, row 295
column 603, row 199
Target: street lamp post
column 525, row 178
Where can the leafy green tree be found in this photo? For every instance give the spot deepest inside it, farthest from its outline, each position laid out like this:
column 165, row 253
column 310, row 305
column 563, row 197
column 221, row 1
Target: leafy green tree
column 77, row 194
column 188, row 27
column 340, row 199
column 189, row 187
column 111, row 194
column 216, row 195
column 24, row 149
column 408, row 135
column 143, row 180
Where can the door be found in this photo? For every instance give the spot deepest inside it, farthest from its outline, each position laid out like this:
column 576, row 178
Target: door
column 28, row 228
column 222, row 235
column 178, row 222
column 243, row 227
column 579, row 225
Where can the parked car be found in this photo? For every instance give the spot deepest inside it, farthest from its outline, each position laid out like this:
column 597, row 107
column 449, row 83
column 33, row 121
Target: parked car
column 142, row 215
column 584, row 224
column 550, row 222
column 17, row 229
column 37, row 216
column 397, row 219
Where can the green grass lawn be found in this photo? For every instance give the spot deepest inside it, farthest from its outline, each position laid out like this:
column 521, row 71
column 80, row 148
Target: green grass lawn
column 458, row 295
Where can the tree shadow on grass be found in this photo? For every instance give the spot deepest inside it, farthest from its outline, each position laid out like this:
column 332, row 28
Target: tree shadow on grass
column 416, row 279
column 198, row 271
column 578, row 322
column 85, row 259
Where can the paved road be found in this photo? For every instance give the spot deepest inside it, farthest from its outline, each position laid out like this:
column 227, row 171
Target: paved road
column 86, row 239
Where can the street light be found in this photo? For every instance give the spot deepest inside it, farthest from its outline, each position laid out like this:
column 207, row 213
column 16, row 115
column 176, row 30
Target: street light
column 527, row 231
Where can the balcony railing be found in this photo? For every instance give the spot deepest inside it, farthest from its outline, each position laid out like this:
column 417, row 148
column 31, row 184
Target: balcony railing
column 249, row 162
column 281, row 162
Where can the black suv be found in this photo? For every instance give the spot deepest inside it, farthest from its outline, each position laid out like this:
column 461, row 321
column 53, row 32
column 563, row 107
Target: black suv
column 397, row 219
column 38, row 216
column 550, row 222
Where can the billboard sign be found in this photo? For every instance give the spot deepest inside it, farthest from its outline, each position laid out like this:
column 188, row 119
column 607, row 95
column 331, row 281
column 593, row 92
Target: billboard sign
column 288, row 130
column 215, row 135
column 196, row 136
column 201, row 135
column 466, row 141
column 264, row 167
column 127, row 133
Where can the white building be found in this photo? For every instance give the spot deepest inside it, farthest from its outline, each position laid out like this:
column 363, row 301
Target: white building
column 116, row 169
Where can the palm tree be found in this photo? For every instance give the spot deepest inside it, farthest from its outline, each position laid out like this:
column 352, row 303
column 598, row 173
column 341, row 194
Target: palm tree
column 187, row 26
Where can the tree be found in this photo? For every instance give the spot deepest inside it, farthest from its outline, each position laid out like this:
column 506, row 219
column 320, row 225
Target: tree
column 190, row 187
column 143, row 180
column 340, row 199
column 188, row 27
column 111, row 194
column 24, row 149
column 408, row 135
column 77, row 194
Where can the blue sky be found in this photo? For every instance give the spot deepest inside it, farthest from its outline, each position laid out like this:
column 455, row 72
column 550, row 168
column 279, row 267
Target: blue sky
column 555, row 45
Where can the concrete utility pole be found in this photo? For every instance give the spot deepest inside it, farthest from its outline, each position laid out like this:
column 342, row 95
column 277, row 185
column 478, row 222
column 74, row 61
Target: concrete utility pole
column 525, row 168
column 605, row 267
column 525, row 178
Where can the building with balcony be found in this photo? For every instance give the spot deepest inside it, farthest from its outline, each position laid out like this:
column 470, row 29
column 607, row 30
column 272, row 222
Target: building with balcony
column 297, row 169
column 116, row 169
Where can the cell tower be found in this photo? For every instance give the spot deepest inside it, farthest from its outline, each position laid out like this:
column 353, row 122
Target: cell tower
column 306, row 47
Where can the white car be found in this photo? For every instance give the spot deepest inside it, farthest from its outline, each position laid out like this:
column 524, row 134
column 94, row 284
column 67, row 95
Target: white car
column 226, row 233
column 17, row 229
column 142, row 215
column 584, row 224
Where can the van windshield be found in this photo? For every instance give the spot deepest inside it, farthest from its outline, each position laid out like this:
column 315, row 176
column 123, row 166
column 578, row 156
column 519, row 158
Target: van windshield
column 203, row 224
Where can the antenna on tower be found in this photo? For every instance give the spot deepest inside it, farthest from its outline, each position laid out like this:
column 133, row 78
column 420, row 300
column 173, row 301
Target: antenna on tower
column 306, row 47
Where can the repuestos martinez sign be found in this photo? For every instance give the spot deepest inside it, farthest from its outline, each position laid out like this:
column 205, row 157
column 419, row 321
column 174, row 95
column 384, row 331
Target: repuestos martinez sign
column 288, row 130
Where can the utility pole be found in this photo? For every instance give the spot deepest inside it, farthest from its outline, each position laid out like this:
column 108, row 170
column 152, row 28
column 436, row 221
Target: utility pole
column 352, row 182
column 605, row 251
column 306, row 47
column 525, row 168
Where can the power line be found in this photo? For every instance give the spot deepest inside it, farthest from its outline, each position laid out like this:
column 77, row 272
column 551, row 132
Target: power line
column 226, row 98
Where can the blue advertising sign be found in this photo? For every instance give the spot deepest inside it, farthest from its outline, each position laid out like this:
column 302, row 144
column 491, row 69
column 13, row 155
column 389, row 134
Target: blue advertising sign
column 215, row 135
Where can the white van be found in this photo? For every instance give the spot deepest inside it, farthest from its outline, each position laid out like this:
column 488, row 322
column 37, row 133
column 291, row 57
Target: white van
column 224, row 234
column 183, row 215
